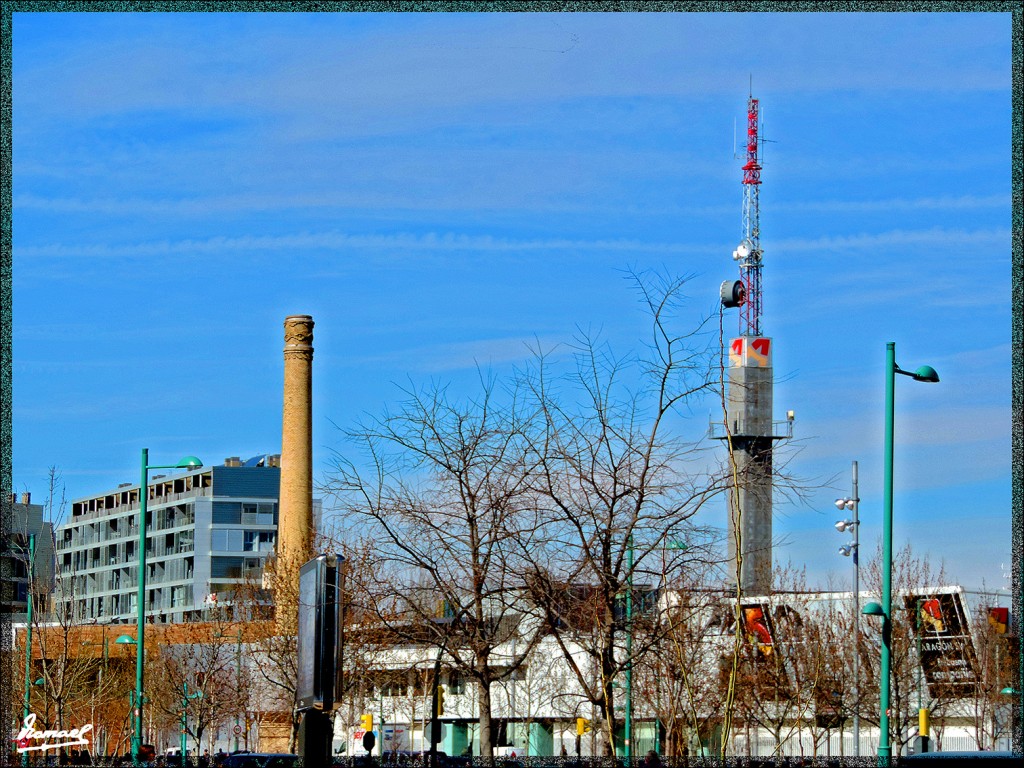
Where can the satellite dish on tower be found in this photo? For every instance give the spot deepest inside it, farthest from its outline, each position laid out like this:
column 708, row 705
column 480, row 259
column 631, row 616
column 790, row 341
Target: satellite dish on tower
column 734, row 293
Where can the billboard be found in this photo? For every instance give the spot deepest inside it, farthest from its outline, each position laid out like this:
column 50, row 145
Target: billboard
column 939, row 624
column 319, row 633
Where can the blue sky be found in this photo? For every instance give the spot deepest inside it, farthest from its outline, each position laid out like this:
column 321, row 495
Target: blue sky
column 440, row 190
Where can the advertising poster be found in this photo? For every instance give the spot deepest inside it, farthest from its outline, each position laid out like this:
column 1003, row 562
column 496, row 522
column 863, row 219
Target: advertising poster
column 999, row 619
column 947, row 651
column 757, row 628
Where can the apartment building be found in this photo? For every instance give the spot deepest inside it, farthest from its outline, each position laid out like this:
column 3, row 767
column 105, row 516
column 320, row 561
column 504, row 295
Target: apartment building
column 16, row 558
column 208, row 531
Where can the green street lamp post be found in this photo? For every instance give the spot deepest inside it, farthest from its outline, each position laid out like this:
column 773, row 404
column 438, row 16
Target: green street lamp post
column 132, row 711
column 28, row 632
column 185, row 696
column 28, row 621
column 927, row 374
column 682, row 546
column 189, row 462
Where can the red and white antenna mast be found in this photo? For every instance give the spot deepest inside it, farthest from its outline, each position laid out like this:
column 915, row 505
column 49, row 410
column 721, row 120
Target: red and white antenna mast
column 748, row 252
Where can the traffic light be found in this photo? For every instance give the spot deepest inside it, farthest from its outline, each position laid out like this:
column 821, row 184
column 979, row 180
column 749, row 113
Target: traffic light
column 366, row 722
column 440, row 700
column 582, row 725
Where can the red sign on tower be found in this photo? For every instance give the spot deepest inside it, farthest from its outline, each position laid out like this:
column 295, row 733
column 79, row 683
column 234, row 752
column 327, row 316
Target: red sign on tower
column 751, row 352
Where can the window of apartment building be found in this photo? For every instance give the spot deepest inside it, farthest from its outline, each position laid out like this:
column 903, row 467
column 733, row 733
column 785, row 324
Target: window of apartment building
column 226, row 567
column 394, row 686
column 227, row 512
column 259, row 541
column 227, row 540
column 456, row 683
column 254, row 513
column 420, row 682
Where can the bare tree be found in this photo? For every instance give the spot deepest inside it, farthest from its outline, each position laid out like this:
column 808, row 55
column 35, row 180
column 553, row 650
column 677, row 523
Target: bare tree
column 614, row 482
column 682, row 682
column 990, row 709
column 912, row 576
column 68, row 678
column 441, row 488
column 782, row 667
column 271, row 656
column 193, row 684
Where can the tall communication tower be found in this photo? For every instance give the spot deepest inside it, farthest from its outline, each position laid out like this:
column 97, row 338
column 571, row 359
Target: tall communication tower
column 748, row 253
column 748, row 427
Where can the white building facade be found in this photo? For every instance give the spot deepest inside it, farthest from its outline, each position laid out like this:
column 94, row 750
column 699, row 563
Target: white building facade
column 535, row 711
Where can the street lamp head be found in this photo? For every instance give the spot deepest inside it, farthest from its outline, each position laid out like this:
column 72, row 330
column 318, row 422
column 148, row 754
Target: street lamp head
column 125, row 640
column 925, row 373
column 873, row 609
column 845, row 550
column 1009, row 691
column 844, row 525
column 191, row 462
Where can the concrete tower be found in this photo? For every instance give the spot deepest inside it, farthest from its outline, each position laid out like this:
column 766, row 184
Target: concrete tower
column 295, row 513
column 749, row 431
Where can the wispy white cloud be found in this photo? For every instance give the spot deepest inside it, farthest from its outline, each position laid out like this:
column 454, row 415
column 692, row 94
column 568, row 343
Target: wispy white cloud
column 447, row 241
column 997, row 236
column 964, row 202
column 213, row 205
column 415, row 65
column 453, row 241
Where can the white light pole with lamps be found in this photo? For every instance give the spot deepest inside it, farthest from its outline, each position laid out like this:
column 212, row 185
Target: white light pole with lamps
column 847, row 550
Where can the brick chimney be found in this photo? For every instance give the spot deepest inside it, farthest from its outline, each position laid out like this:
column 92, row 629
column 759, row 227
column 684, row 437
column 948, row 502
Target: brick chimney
column 295, row 514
